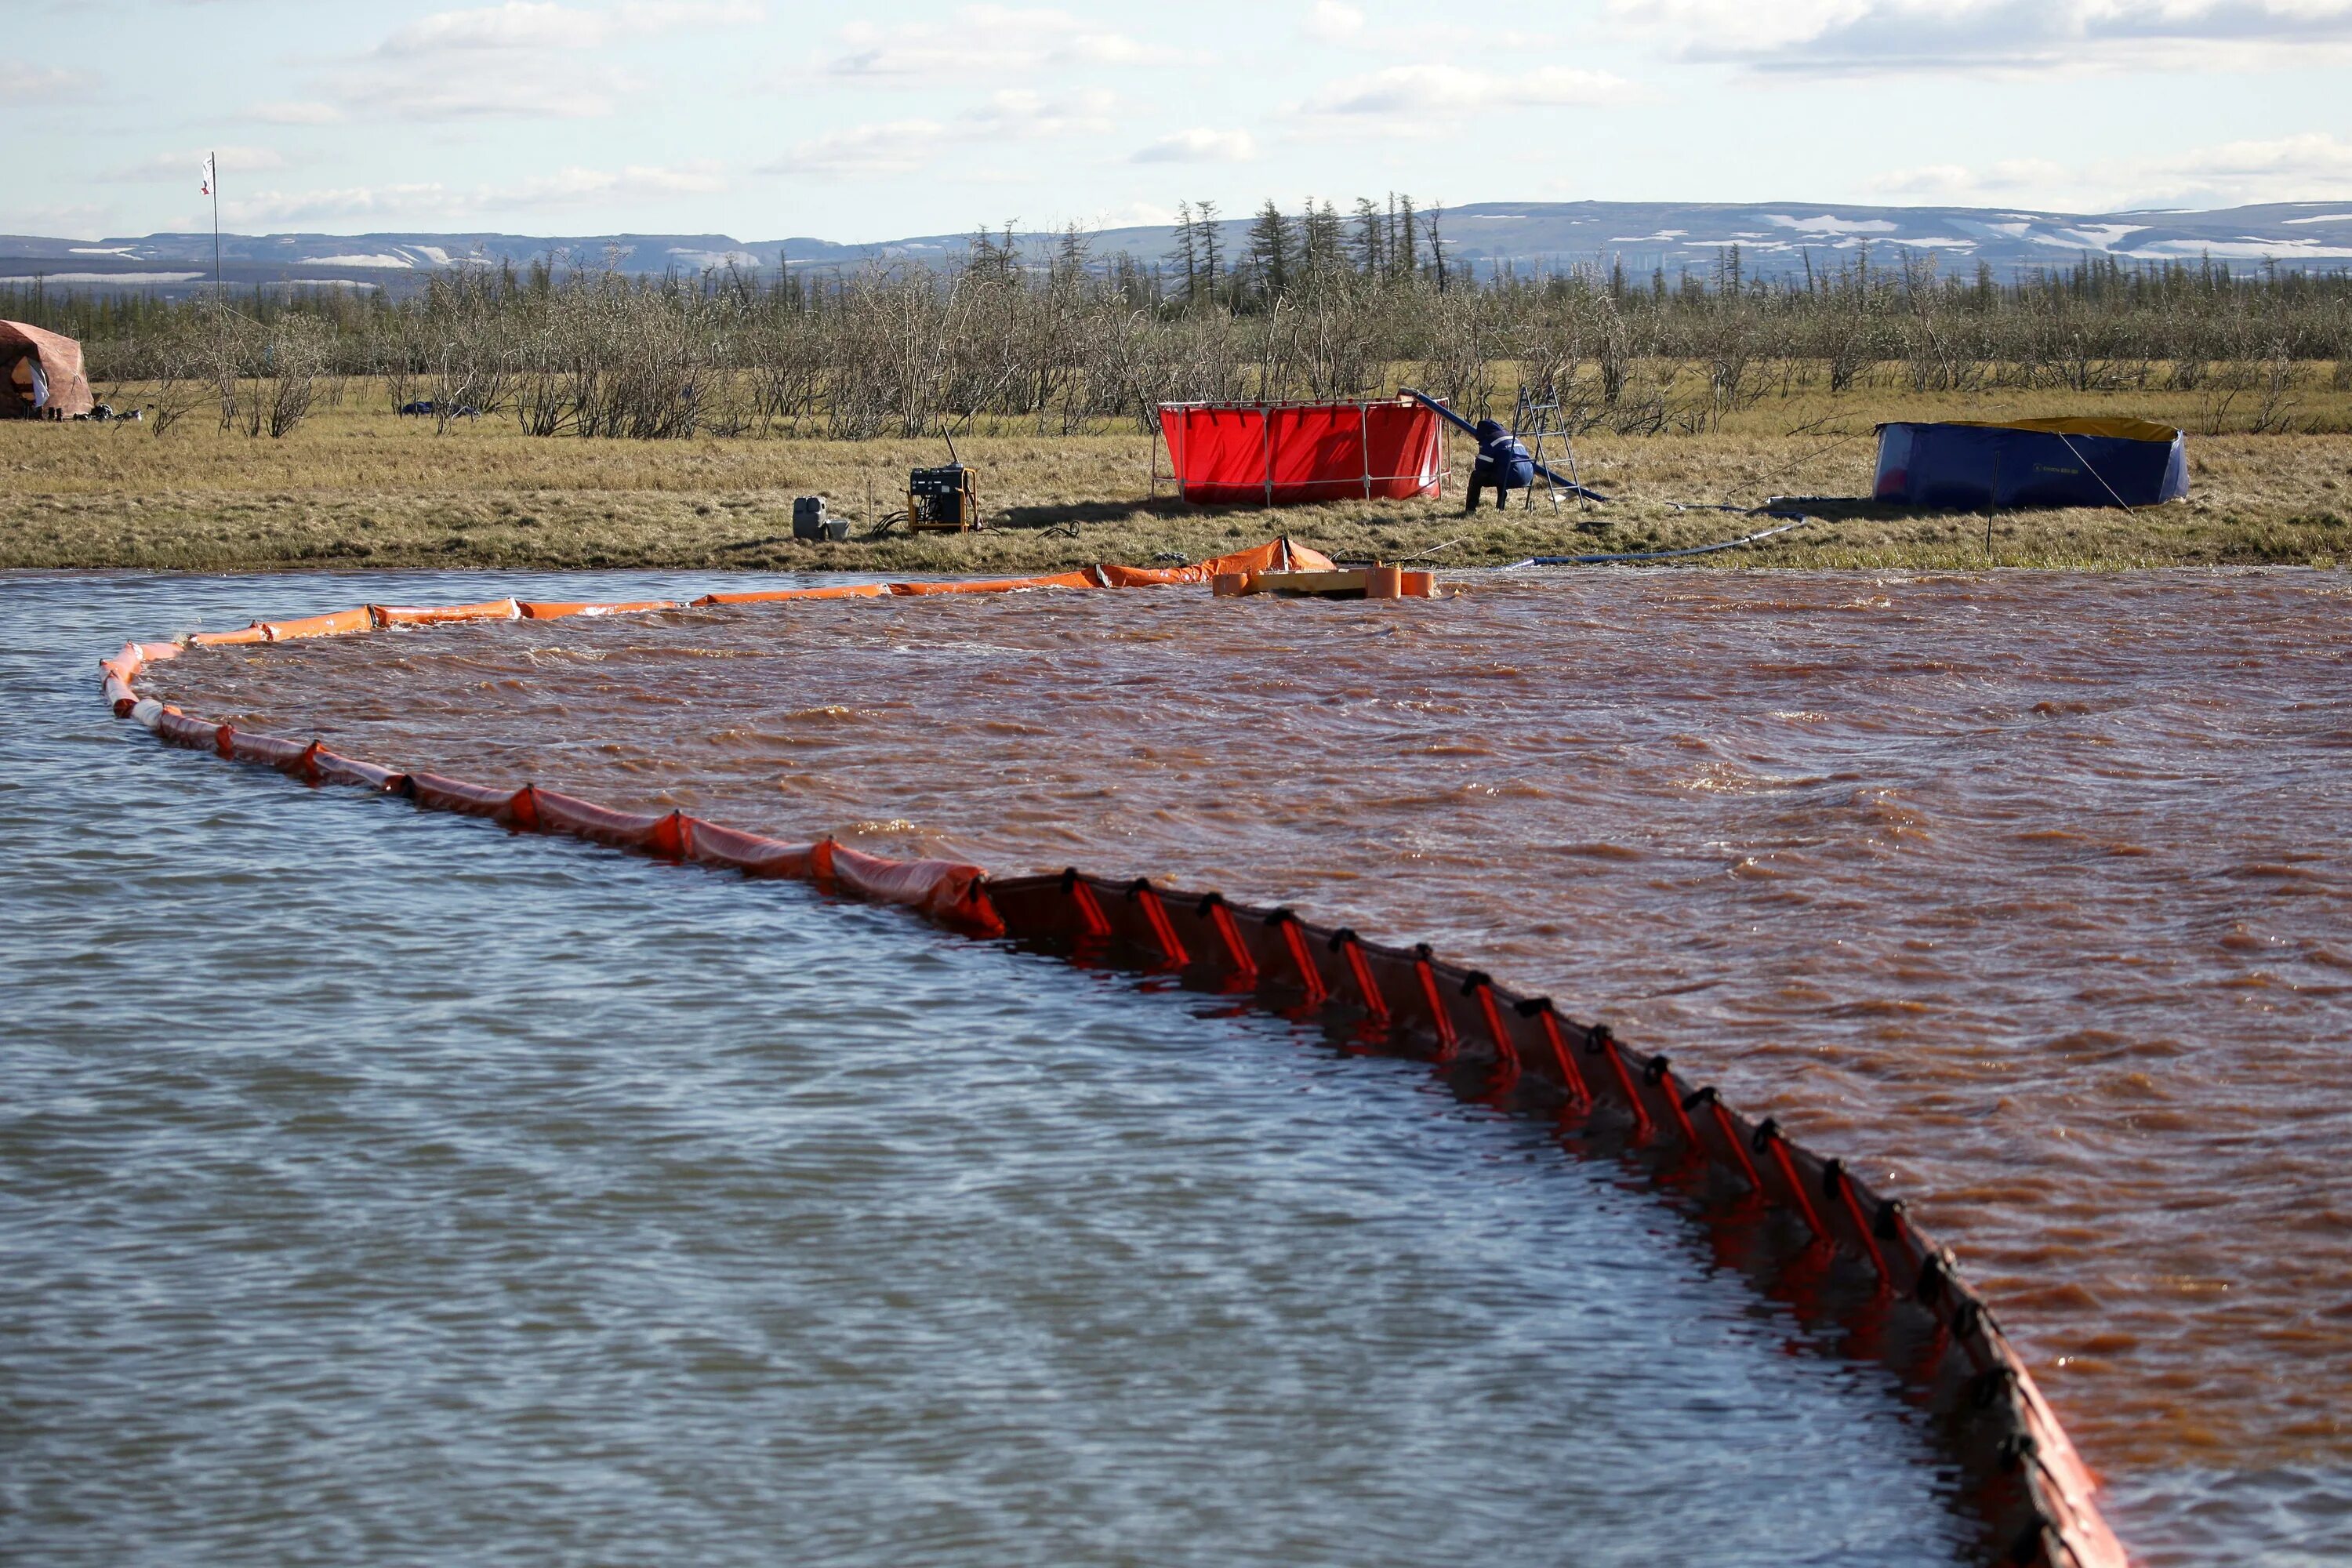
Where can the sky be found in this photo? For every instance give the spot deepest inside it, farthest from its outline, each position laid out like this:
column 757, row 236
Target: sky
column 771, row 119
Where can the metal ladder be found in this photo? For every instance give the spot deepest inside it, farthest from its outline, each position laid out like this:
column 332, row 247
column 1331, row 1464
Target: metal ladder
column 1537, row 421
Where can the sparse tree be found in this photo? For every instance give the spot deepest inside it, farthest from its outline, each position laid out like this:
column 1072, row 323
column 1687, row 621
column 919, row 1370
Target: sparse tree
column 1187, row 254
column 1323, row 306
column 1322, row 243
column 1272, row 247
column 1372, row 253
column 1204, row 239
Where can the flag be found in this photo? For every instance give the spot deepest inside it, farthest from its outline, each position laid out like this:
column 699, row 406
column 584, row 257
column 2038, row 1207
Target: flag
column 205, row 189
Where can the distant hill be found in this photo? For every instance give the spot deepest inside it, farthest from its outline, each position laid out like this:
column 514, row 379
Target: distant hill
column 1776, row 240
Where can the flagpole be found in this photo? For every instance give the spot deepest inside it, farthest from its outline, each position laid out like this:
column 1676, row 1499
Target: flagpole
column 220, row 302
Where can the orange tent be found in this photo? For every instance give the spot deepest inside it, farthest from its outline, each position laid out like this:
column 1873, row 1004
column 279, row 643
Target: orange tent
column 40, row 374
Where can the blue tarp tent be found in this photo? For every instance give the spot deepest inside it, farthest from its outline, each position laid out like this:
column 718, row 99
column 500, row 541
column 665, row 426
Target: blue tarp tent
column 1969, row 467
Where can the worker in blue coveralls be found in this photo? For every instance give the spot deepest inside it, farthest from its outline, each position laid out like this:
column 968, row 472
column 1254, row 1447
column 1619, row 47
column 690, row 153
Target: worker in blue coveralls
column 1502, row 463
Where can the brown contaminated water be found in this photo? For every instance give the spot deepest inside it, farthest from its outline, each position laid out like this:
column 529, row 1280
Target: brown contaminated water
column 2026, row 892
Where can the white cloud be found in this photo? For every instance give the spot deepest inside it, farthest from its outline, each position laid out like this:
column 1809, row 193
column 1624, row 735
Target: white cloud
column 662, row 16
column 293, row 112
column 1331, row 22
column 378, row 204
column 522, row 59
column 2311, row 166
column 49, row 84
column 74, row 220
column 893, row 147
column 982, row 40
column 1339, row 26
column 534, row 25
column 516, row 24
column 1998, row 37
column 572, row 187
column 897, row 147
column 1447, row 92
column 1016, row 114
column 1199, row 145
column 1133, row 214
column 541, row 89
column 237, row 162
column 428, row 204
column 1957, row 183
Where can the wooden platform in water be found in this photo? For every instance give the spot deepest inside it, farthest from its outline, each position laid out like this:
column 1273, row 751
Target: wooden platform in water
column 1359, row 583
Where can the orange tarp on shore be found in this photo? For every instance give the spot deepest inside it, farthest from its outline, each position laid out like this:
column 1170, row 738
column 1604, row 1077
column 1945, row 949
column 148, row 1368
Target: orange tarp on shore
column 1277, row 555
column 1273, row 555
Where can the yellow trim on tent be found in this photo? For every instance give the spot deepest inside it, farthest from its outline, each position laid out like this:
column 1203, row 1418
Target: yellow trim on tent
column 2114, row 430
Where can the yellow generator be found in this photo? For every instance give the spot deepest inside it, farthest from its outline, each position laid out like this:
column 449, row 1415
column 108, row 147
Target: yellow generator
column 943, row 500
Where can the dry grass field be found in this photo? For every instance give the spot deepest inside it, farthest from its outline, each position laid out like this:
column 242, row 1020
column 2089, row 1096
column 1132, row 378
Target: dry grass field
column 358, row 487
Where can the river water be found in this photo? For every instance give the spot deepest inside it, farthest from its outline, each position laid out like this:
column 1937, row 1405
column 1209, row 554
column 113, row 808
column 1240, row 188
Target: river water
column 2028, row 891
column 377, row 1188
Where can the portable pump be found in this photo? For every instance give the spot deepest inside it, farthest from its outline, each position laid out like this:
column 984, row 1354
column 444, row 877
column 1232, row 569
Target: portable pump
column 944, row 500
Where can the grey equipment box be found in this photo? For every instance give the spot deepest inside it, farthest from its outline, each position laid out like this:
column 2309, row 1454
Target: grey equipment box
column 810, row 521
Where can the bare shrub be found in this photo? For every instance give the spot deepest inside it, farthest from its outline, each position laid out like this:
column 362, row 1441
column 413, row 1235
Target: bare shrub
column 178, row 369
column 2275, row 404
column 294, row 357
column 1463, row 341
column 1047, row 336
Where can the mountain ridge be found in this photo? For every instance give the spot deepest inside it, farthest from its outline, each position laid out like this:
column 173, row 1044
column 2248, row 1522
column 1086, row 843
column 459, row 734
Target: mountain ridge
column 1776, row 240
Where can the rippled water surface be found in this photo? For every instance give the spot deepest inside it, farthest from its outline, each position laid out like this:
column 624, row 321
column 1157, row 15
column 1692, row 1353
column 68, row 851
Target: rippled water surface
column 2031, row 890
column 377, row 1188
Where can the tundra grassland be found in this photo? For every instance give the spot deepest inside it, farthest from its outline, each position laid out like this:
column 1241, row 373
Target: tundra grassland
column 357, row 486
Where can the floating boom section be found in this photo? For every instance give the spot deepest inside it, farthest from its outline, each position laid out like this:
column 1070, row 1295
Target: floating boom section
column 1275, row 555
column 2024, row 1477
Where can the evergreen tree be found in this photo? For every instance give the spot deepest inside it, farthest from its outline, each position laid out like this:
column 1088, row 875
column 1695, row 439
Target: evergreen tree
column 1187, row 254
column 1205, row 236
column 1072, row 253
column 1370, row 253
column 1272, row 250
column 1322, row 240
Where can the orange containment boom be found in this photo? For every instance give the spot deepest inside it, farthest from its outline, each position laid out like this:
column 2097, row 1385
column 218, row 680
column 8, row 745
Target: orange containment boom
column 556, row 612
column 1275, row 555
column 398, row 615
column 782, row 595
column 1086, row 579
column 2024, row 1477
